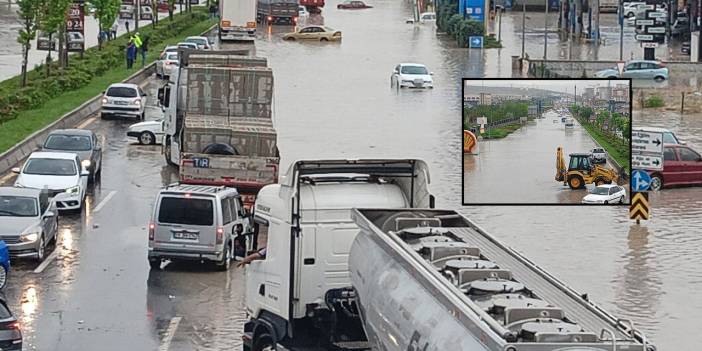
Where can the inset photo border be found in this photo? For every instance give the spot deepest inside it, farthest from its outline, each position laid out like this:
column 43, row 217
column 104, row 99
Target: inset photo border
column 546, row 141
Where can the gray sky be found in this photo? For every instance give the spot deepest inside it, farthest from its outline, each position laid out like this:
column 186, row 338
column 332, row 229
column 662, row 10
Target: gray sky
column 564, row 86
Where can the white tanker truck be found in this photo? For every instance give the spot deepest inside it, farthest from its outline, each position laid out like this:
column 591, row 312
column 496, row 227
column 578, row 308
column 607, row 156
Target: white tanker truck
column 413, row 279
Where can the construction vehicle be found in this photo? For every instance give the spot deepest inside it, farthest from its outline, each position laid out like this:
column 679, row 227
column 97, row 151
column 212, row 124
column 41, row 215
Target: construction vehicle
column 581, row 170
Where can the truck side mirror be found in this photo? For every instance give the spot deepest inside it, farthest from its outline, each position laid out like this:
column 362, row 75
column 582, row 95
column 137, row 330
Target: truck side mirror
column 161, row 94
column 432, row 201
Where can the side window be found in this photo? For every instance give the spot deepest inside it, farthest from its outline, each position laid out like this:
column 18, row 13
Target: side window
column 688, row 155
column 306, row 30
column 669, row 154
column 612, row 190
column 226, row 212
column 632, row 66
column 234, row 207
column 78, row 165
column 668, row 138
column 261, row 227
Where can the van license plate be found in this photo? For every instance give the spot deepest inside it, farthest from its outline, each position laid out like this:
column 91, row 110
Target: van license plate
column 188, row 236
column 201, row 162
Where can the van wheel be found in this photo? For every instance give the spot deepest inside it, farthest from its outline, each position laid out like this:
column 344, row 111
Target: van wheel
column 226, row 261
column 155, row 263
column 263, row 342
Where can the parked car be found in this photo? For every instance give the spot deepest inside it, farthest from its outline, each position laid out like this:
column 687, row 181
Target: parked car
column 75, row 41
column 187, row 45
column 599, row 155
column 10, row 329
column 124, row 99
column 60, row 172
column 320, row 33
column 147, row 132
column 637, row 69
column 411, row 75
column 606, row 194
column 681, row 27
column 195, row 222
column 685, row 48
column 353, row 5
column 202, row 42
column 82, row 142
column 681, row 166
column 168, row 49
column 668, row 136
column 4, row 260
column 166, row 64
column 28, row 222
column 424, row 17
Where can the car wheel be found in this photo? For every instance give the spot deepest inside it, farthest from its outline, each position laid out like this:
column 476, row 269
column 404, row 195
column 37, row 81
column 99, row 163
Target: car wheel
column 629, row 14
column 3, row 277
column 659, row 78
column 263, row 342
column 155, row 263
column 323, row 39
column 226, row 261
column 621, row 200
column 606, row 202
column 41, row 250
column 656, row 182
column 147, row 138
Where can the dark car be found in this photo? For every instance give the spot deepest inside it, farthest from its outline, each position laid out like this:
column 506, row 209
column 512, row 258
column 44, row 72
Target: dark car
column 353, row 4
column 10, row 332
column 681, row 166
column 82, row 142
column 685, row 48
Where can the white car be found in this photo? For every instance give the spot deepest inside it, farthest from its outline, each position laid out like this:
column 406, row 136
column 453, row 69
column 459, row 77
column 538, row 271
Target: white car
column 606, row 194
column 202, row 42
column 123, row 99
column 60, row 172
column 166, row 64
column 187, row 45
column 147, row 132
column 411, row 75
column 599, row 155
column 424, row 17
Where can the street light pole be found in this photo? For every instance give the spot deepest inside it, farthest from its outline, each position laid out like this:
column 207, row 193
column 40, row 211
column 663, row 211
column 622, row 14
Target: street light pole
column 545, row 29
column 621, row 30
column 523, row 27
column 499, row 29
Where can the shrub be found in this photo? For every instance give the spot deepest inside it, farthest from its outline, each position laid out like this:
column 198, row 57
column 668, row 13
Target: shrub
column 654, row 101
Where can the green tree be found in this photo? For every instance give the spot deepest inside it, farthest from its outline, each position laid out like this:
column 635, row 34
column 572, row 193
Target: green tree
column 28, row 10
column 171, row 8
column 52, row 21
column 106, row 12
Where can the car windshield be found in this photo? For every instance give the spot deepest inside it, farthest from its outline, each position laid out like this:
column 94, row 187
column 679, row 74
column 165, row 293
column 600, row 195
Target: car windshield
column 198, row 41
column 18, row 206
column 125, row 92
column 600, row 191
column 172, row 57
column 50, row 166
column 186, row 210
column 68, row 142
column 414, row 70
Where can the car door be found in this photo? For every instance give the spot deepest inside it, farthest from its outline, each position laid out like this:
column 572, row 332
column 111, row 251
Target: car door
column 691, row 163
column 672, row 167
column 227, row 217
column 48, row 223
column 631, row 70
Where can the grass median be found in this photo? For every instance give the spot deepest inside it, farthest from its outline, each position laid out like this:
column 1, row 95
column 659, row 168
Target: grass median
column 501, row 131
column 29, row 121
column 619, row 151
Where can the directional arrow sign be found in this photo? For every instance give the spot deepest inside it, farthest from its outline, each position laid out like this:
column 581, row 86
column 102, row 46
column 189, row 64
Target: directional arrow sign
column 639, row 208
column 649, row 45
column 643, row 141
column 644, row 37
column 640, row 180
column 648, row 7
column 655, row 30
column 647, row 162
column 647, row 22
column 476, row 42
column 656, row 14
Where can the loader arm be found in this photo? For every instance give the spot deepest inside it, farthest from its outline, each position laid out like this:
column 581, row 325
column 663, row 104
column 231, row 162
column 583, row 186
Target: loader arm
column 560, row 165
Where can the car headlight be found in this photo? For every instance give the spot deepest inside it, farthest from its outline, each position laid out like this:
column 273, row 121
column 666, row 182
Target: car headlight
column 73, row 190
column 136, row 102
column 86, row 163
column 105, row 101
column 29, row 237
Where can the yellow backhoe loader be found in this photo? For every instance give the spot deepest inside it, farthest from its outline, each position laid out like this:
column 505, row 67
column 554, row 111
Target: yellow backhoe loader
column 581, row 171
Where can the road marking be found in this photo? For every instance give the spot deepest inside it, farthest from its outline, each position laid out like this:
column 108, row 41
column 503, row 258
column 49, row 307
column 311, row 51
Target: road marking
column 46, row 262
column 166, row 342
column 86, row 122
column 104, row 201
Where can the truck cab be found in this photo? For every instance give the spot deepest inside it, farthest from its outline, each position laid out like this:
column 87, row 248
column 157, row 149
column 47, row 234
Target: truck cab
column 302, row 286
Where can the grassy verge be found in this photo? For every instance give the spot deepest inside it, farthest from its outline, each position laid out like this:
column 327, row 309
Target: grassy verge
column 501, row 132
column 28, row 121
column 617, row 152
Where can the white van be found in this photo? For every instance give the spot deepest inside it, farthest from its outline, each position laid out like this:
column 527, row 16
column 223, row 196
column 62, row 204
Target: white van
column 196, row 222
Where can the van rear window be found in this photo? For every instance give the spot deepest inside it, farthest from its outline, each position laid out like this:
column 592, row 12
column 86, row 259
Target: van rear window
column 189, row 211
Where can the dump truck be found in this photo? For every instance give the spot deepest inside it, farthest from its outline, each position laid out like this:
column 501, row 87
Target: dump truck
column 218, row 127
column 277, row 11
column 237, row 20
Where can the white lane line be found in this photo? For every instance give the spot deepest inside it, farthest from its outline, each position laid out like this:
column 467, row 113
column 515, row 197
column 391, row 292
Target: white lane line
column 86, row 122
column 46, row 262
column 104, row 201
column 166, row 342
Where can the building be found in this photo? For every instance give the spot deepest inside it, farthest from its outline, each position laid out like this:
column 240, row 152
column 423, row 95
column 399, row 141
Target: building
column 620, row 93
column 603, row 93
column 475, row 100
column 485, row 99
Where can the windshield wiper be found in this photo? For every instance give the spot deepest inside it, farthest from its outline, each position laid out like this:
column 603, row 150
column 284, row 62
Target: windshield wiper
column 11, row 213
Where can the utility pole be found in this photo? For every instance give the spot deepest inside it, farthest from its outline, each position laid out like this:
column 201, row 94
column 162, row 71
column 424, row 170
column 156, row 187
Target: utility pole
column 138, row 16
column 523, row 27
column 621, row 30
column 499, row 29
column 545, row 29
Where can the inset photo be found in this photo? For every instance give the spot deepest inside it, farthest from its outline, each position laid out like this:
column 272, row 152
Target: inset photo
column 546, row 141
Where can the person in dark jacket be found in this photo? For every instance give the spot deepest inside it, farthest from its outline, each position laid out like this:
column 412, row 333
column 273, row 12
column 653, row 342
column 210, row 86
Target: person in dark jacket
column 131, row 54
column 144, row 50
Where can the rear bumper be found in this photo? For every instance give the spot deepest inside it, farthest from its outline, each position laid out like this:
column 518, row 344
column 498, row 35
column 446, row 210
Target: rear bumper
column 121, row 111
column 184, row 254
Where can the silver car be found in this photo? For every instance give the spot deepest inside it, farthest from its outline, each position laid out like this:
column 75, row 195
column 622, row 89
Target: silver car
column 28, row 221
column 83, row 142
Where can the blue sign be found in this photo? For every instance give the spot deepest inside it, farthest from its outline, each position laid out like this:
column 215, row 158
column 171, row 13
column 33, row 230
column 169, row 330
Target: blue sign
column 640, row 180
column 475, row 42
column 472, row 9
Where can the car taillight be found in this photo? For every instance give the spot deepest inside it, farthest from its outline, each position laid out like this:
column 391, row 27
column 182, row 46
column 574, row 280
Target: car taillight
column 220, row 235
column 15, row 326
column 152, row 229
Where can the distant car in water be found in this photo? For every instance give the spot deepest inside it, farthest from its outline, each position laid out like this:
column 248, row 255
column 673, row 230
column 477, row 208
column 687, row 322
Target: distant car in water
column 353, row 5
column 318, row 33
column 187, row 45
column 681, row 166
column 147, row 132
column 424, row 17
column 599, row 155
column 685, row 48
column 166, row 64
column 411, row 75
column 606, row 194
column 637, row 69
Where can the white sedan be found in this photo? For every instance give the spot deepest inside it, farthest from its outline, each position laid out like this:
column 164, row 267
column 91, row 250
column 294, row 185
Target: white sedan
column 411, row 75
column 167, row 64
column 606, row 194
column 147, row 132
column 60, row 172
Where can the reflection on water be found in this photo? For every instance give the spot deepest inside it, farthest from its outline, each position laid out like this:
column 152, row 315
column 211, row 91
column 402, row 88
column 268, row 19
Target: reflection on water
column 66, row 237
column 29, row 304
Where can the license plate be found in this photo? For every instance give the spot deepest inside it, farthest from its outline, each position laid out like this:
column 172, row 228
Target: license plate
column 188, row 236
column 201, row 162
column 120, row 102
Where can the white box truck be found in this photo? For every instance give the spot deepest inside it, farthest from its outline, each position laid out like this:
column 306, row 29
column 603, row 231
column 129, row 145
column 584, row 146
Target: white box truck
column 237, row 20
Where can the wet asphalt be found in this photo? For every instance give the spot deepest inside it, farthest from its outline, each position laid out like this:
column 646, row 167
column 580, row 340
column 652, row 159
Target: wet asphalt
column 334, row 100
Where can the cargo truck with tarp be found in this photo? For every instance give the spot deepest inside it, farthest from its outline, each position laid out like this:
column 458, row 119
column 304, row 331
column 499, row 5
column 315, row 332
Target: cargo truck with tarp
column 218, row 126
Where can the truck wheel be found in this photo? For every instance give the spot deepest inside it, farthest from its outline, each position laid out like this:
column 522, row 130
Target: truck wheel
column 167, row 154
column 576, row 182
column 155, row 263
column 263, row 342
column 599, row 181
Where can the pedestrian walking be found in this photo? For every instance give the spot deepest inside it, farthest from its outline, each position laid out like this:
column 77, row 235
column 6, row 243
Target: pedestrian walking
column 131, row 54
column 144, row 50
column 114, row 30
column 213, row 11
column 126, row 24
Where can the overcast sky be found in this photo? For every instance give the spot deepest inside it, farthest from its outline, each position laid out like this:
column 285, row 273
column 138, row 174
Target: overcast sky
column 564, row 86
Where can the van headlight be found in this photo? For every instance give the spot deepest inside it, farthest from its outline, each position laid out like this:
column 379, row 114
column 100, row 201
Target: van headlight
column 85, row 163
column 30, row 237
column 73, row 190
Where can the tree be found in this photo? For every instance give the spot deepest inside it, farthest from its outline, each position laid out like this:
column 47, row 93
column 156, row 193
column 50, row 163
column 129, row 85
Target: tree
column 171, row 8
column 106, row 12
column 52, row 21
column 28, row 16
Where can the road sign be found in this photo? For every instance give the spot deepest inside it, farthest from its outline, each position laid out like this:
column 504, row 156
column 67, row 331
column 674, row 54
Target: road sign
column 481, row 120
column 645, row 22
column 644, row 37
column 475, row 42
column 640, row 180
column 647, row 142
column 620, row 66
column 655, row 30
column 639, row 208
column 647, row 162
column 648, row 7
column 656, row 14
column 649, row 45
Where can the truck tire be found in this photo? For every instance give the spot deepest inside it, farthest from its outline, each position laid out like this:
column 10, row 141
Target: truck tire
column 263, row 342
column 599, row 181
column 576, row 182
column 167, row 153
column 155, row 263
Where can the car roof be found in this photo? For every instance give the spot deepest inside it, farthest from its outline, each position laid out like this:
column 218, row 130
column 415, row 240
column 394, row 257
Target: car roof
column 649, row 61
column 123, row 85
column 652, row 129
column 412, row 64
column 579, row 154
column 72, row 132
column 54, row 155
column 12, row 191
column 607, row 186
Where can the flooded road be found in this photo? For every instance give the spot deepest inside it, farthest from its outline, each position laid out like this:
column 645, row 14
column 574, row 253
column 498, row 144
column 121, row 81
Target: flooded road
column 334, row 100
column 521, row 167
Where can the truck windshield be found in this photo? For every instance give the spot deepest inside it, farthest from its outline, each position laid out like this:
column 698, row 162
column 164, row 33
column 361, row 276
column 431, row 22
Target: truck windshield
column 186, row 210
